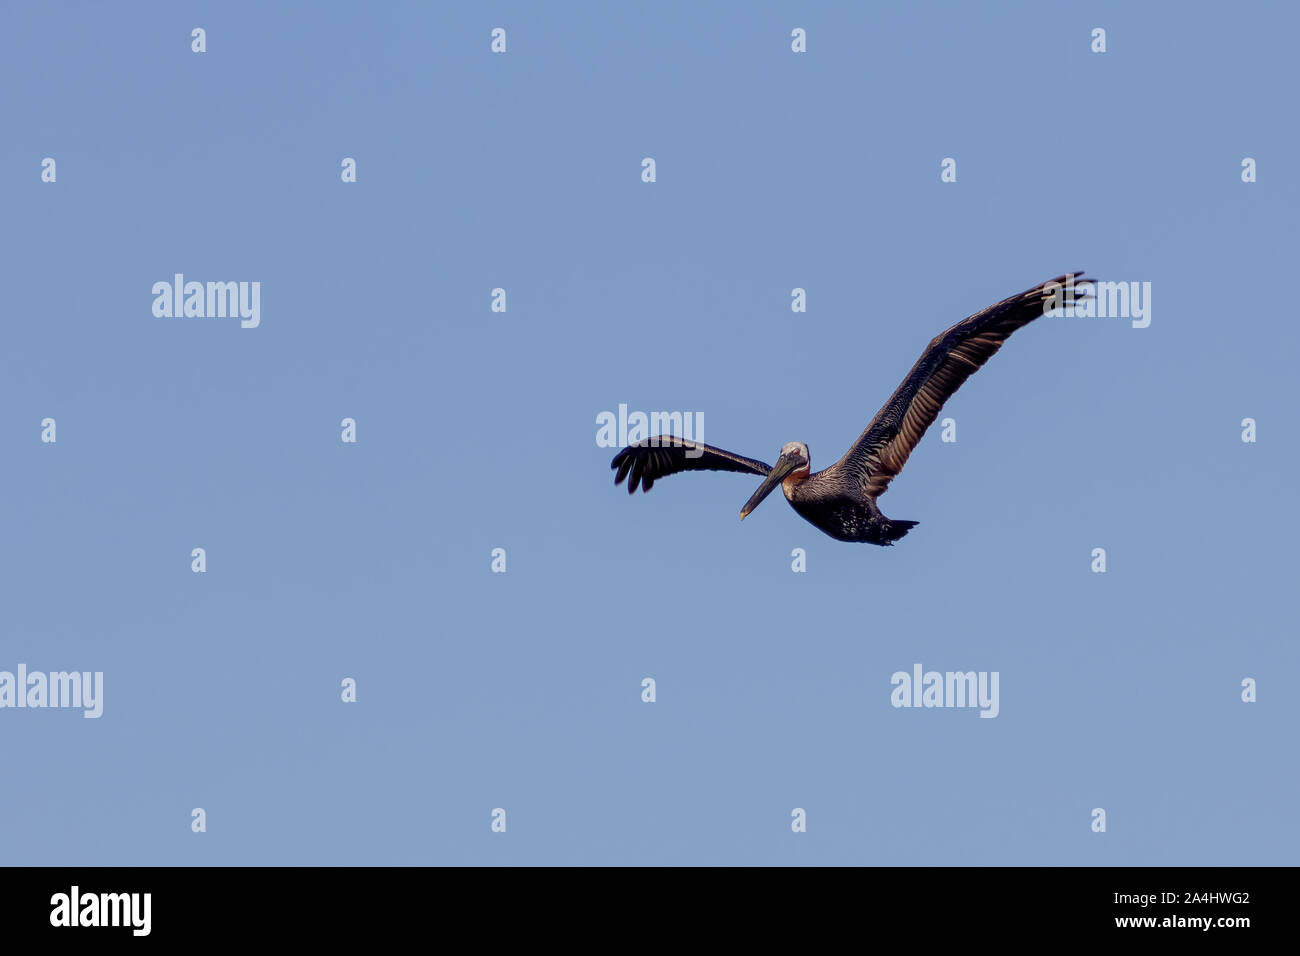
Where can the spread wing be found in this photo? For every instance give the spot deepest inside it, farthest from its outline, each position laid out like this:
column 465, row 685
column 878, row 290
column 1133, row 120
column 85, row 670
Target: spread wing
column 951, row 358
column 652, row 458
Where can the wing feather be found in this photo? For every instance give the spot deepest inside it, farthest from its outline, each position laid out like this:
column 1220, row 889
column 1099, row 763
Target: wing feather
column 646, row 461
column 951, row 357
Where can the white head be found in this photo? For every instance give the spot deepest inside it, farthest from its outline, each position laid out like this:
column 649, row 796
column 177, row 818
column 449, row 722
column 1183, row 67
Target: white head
column 791, row 468
column 797, row 449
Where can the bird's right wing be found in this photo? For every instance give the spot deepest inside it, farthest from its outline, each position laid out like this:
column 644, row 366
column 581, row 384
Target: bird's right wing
column 652, row 458
column 951, row 358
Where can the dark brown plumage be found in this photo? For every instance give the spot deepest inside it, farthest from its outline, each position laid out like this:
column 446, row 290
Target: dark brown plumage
column 647, row 463
column 841, row 499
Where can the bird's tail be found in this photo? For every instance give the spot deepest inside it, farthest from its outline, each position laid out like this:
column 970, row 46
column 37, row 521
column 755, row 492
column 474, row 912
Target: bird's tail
column 892, row 530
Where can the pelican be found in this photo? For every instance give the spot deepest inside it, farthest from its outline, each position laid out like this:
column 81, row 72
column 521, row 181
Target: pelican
column 841, row 499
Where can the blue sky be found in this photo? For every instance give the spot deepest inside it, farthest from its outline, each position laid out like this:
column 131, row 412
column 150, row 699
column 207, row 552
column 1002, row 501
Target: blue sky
column 476, row 430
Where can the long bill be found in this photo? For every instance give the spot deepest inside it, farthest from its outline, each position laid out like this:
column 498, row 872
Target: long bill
column 785, row 465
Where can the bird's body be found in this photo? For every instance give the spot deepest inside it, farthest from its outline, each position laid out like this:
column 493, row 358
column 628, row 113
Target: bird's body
column 841, row 499
column 840, row 509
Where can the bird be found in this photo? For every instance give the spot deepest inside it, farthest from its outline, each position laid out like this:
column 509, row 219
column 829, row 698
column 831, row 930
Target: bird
column 841, row 500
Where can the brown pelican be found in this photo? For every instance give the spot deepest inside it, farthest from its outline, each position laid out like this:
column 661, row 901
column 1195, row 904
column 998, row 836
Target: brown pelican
column 841, row 499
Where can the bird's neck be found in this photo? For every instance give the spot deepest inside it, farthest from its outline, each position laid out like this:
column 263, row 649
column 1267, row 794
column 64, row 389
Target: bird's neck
column 793, row 481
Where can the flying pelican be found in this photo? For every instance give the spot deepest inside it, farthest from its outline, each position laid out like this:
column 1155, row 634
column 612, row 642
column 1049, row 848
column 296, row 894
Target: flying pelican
column 841, row 499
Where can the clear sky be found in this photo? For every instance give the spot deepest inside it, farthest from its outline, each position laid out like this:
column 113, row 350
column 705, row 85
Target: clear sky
column 476, row 430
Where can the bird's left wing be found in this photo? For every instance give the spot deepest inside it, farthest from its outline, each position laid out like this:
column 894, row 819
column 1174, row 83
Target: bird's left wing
column 652, row 458
column 951, row 358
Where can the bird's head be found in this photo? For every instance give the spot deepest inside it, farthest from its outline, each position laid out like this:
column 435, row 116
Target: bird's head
column 791, row 468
